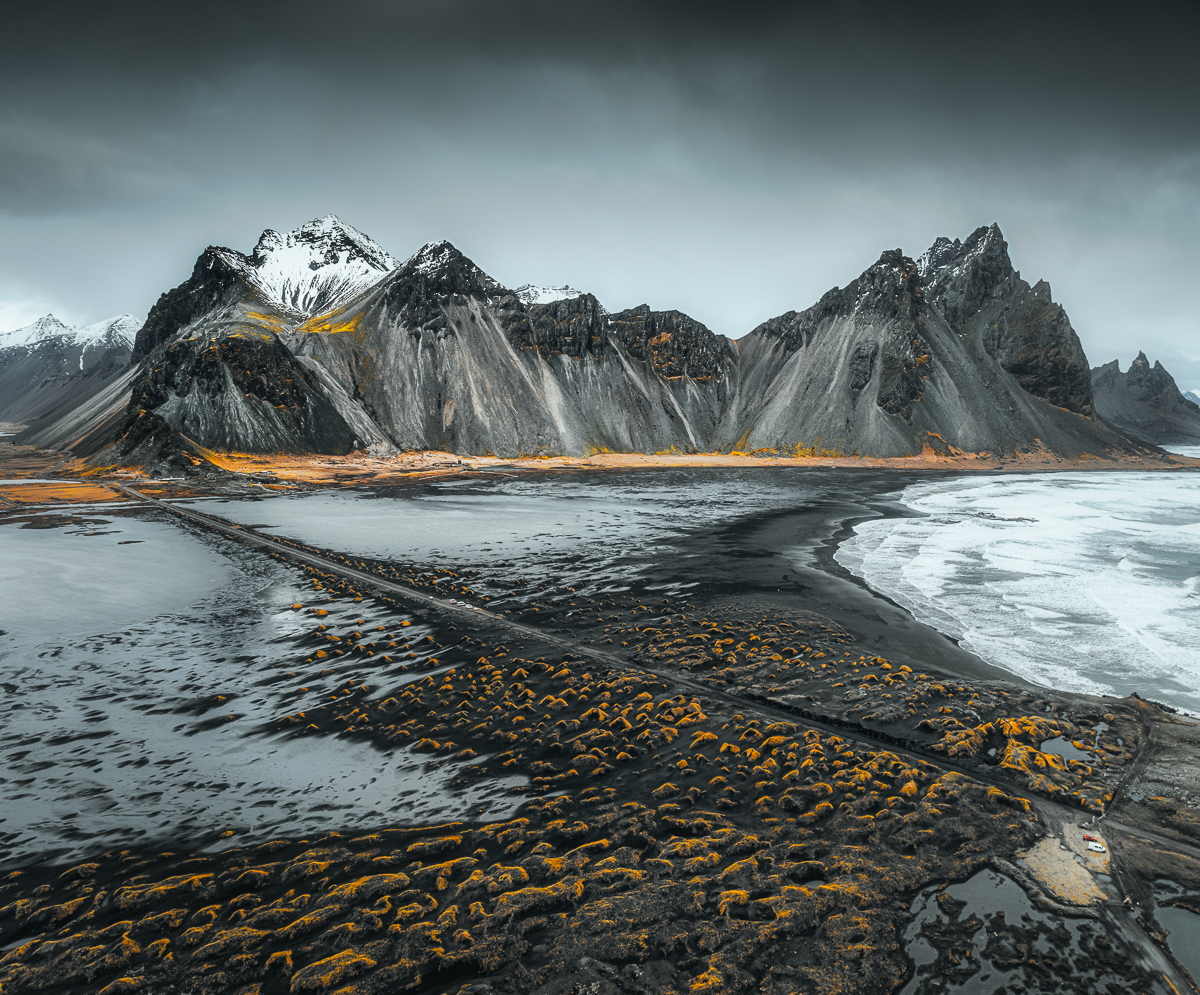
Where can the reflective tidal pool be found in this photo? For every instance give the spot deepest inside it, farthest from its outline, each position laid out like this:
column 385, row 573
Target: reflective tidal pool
column 141, row 669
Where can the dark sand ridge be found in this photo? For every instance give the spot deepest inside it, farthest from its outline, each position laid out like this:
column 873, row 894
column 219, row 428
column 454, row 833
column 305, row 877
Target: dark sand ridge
column 667, row 865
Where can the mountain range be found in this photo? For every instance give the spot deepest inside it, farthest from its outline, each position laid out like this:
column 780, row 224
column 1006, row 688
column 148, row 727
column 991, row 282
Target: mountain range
column 321, row 341
column 48, row 366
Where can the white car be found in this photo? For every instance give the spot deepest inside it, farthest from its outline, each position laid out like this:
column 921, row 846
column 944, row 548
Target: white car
column 1097, row 848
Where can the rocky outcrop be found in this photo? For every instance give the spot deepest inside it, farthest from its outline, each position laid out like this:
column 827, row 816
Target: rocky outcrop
column 241, row 392
column 215, row 284
column 575, row 327
column 1145, row 403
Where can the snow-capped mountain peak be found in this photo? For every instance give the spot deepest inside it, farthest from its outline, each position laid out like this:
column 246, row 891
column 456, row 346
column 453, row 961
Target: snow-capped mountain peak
column 66, row 348
column 118, row 330
column 530, row 294
column 317, row 266
column 44, row 328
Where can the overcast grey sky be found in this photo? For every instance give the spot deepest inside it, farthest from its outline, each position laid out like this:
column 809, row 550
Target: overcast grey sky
column 732, row 161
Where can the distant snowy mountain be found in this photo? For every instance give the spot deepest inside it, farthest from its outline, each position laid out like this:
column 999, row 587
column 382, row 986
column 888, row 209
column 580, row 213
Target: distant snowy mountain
column 96, row 338
column 43, row 328
column 1193, row 395
column 315, row 267
column 529, row 294
column 42, row 364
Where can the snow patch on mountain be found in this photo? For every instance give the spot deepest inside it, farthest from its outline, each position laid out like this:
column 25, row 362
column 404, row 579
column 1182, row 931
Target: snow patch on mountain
column 530, row 294
column 315, row 267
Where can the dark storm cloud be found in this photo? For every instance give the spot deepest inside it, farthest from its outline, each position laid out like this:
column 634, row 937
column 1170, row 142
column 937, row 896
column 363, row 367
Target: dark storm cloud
column 731, row 160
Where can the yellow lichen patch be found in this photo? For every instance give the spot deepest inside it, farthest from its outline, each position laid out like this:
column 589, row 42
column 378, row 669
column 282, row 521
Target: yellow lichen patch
column 529, row 899
column 331, row 971
column 366, row 888
column 123, row 986
column 506, row 878
column 332, row 323
column 698, row 864
column 437, row 844
column 137, row 896
column 731, row 899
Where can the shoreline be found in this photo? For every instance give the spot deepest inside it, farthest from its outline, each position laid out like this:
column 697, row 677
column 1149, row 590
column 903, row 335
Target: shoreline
column 31, row 476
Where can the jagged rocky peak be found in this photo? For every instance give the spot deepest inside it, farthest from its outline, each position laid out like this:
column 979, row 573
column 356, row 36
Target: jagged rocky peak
column 1145, row 402
column 317, row 266
column 219, row 278
column 530, row 295
column 438, row 276
column 975, row 288
column 960, row 278
column 1141, row 372
column 1150, row 381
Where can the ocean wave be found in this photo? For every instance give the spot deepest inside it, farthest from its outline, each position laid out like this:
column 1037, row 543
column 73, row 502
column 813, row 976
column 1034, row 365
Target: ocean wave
column 1085, row 582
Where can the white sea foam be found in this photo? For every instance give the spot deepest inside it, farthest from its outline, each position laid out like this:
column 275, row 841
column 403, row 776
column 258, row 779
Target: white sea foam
column 1086, row 582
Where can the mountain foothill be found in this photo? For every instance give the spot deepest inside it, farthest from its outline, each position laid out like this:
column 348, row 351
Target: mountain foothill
column 319, row 341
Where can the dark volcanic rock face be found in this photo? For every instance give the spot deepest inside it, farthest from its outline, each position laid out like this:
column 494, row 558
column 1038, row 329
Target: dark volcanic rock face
column 888, row 296
column 243, row 393
column 214, row 284
column 437, row 277
column 978, row 292
column 954, row 351
column 674, row 344
column 575, row 327
column 1145, row 402
column 442, row 356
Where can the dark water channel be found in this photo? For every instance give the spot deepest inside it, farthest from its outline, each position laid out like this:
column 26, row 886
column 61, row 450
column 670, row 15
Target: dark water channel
column 1182, row 925
column 985, row 936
